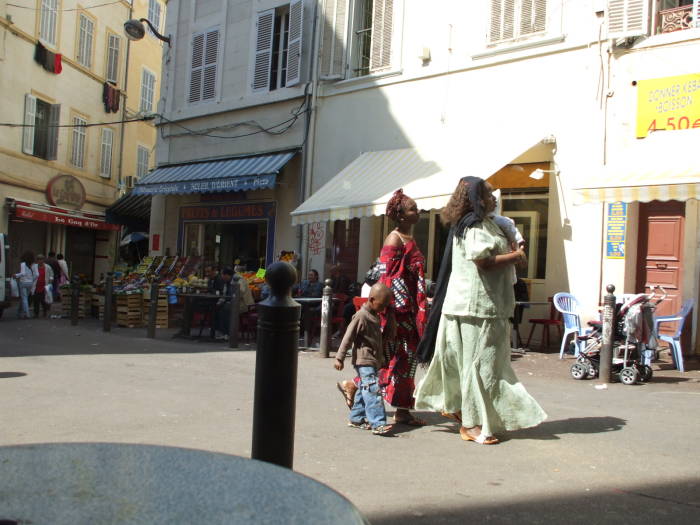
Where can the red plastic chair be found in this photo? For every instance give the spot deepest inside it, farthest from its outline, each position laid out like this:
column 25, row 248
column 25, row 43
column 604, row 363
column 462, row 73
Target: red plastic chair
column 554, row 320
column 358, row 302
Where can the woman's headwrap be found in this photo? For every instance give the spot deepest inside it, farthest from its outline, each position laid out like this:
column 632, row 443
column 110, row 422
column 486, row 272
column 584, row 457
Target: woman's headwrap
column 426, row 347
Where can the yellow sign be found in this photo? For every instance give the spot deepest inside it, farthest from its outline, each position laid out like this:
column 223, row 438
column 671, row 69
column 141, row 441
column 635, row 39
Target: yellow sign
column 668, row 103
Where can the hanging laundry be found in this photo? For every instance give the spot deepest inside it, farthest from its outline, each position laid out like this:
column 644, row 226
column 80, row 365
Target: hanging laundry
column 40, row 54
column 49, row 61
column 110, row 98
column 58, row 64
column 116, row 96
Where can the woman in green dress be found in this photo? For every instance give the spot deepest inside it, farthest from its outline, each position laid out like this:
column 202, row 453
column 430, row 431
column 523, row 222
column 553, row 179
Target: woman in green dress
column 467, row 339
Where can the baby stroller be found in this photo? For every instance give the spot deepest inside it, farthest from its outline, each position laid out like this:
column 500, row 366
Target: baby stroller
column 634, row 341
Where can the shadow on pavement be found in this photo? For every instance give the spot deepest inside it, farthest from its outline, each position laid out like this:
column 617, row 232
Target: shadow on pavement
column 7, row 375
column 675, row 502
column 574, row 425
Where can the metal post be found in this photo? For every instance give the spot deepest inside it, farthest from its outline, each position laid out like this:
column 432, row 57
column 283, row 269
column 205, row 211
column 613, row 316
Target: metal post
column 326, row 303
column 234, row 319
column 606, row 351
column 152, row 310
column 107, row 310
column 74, row 300
column 276, row 369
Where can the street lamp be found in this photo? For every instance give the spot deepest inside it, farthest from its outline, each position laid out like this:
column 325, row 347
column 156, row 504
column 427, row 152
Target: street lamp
column 538, row 174
column 134, row 30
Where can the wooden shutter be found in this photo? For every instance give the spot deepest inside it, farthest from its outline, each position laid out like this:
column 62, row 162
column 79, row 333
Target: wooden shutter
column 334, row 38
column 29, row 122
column 382, row 32
column 52, row 132
column 502, row 23
column 196, row 68
column 533, row 16
column 296, row 23
column 113, row 46
column 265, row 24
column 106, row 153
column 210, row 66
column 696, row 13
column 628, row 18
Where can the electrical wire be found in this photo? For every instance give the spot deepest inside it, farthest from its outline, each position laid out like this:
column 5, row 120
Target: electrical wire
column 65, row 10
column 89, row 125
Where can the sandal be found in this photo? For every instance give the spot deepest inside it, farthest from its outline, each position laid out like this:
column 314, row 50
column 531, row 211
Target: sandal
column 362, row 425
column 411, row 421
column 382, row 430
column 481, row 439
column 457, row 416
column 347, row 391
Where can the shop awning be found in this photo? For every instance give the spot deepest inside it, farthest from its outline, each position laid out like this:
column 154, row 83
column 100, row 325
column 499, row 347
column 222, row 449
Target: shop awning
column 664, row 166
column 235, row 174
column 129, row 208
column 363, row 188
column 34, row 211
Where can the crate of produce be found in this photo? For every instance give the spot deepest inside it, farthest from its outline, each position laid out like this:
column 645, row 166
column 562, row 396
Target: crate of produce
column 129, row 310
column 84, row 302
column 161, row 309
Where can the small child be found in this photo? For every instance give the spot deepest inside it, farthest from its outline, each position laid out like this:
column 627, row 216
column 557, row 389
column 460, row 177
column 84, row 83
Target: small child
column 364, row 337
column 507, row 226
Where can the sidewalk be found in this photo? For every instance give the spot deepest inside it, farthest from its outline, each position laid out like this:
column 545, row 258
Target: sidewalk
column 624, row 454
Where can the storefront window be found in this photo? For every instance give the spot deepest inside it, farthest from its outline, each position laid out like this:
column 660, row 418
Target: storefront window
column 346, row 246
column 240, row 243
column 529, row 211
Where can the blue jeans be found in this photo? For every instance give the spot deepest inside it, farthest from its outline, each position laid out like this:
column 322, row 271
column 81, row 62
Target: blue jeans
column 25, row 290
column 368, row 404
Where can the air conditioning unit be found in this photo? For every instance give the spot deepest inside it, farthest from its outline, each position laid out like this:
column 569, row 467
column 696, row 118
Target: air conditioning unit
column 129, row 181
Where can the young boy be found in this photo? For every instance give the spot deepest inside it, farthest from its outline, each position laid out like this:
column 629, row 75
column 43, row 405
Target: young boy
column 364, row 337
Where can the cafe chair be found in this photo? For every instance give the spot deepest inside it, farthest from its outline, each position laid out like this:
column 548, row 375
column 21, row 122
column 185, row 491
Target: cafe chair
column 248, row 324
column 553, row 320
column 568, row 307
column 674, row 341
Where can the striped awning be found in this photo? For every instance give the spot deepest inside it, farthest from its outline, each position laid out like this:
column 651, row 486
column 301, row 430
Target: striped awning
column 129, row 208
column 363, row 188
column 234, row 174
column 664, row 166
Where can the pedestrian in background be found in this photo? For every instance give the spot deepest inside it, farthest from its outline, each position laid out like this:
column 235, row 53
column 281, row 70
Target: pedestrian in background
column 52, row 261
column 42, row 286
column 470, row 377
column 63, row 277
column 25, row 278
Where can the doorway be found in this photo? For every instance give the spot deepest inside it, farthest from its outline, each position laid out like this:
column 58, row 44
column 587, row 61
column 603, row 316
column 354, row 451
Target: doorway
column 80, row 252
column 25, row 236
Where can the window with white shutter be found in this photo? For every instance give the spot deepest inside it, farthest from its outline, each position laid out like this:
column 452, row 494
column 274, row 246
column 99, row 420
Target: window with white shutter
column 48, row 15
column 334, row 38
column 154, row 10
column 204, row 66
column 265, row 23
column 142, row 160
column 628, row 18
column 40, row 132
column 86, row 30
column 77, row 157
column 148, row 83
column 382, row 32
column 696, row 13
column 293, row 65
column 513, row 19
column 113, row 48
column 106, row 153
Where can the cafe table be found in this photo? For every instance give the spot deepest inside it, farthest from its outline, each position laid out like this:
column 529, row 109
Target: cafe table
column 306, row 303
column 90, row 483
column 197, row 302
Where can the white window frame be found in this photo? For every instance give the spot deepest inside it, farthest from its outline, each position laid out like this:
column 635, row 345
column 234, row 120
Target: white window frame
column 155, row 16
column 86, row 40
column 48, row 22
column 106, row 148
column 79, row 143
column 113, row 52
column 518, row 35
column 148, row 89
column 143, row 158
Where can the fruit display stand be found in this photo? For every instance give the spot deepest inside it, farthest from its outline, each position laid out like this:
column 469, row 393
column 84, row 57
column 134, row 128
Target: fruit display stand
column 162, row 308
column 129, row 310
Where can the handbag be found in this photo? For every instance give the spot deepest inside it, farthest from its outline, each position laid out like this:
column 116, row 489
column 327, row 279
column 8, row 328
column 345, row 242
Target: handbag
column 48, row 294
column 14, row 288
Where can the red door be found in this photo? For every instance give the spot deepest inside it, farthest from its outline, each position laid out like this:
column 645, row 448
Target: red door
column 660, row 252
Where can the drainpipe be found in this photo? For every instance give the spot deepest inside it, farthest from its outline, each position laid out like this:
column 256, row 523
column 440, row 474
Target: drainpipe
column 120, row 178
column 309, row 135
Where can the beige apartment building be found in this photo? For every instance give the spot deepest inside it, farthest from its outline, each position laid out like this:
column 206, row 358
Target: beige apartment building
column 75, row 100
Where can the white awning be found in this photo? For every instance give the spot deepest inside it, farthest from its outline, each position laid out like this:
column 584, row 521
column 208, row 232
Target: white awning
column 664, row 166
column 363, row 188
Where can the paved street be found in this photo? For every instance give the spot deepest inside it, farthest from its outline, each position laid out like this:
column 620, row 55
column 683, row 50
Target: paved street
column 604, row 456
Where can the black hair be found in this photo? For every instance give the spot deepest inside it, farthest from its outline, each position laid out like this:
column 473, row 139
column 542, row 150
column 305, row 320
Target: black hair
column 52, row 254
column 314, row 271
column 228, row 271
column 59, row 256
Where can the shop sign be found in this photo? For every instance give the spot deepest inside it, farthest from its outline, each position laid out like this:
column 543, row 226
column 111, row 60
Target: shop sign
column 261, row 210
column 65, row 220
column 66, row 191
column 669, row 103
column 615, row 234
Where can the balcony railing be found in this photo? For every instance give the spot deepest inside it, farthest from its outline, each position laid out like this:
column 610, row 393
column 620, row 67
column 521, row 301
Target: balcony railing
column 675, row 19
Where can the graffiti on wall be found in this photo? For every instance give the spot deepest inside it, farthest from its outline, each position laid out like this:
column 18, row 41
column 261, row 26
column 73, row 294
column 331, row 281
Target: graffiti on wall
column 317, row 238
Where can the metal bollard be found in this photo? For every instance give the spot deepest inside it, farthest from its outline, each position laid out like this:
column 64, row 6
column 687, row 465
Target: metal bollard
column 326, row 304
column 74, row 300
column 107, row 312
column 152, row 310
column 606, row 351
column 234, row 319
column 276, row 369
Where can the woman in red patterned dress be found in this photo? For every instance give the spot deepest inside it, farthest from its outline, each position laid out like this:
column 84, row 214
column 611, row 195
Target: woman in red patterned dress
column 402, row 268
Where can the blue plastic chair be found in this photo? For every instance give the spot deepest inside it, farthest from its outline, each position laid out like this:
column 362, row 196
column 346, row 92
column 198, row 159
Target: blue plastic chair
column 568, row 305
column 674, row 341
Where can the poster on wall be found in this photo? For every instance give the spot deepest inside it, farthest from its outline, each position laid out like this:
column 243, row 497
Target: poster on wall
column 615, row 233
column 669, row 103
column 317, row 238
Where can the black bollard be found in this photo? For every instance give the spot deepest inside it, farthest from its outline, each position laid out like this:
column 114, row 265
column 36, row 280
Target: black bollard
column 234, row 319
column 152, row 310
column 276, row 369
column 107, row 311
column 606, row 351
column 74, row 300
column 326, row 304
